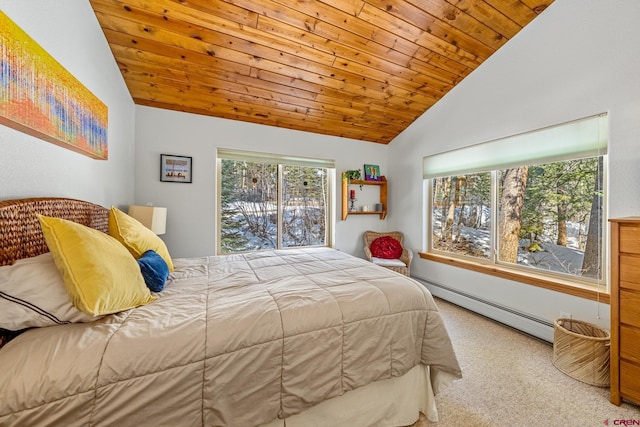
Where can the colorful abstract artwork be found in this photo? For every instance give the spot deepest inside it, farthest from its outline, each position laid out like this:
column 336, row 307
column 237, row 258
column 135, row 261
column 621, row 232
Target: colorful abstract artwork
column 40, row 97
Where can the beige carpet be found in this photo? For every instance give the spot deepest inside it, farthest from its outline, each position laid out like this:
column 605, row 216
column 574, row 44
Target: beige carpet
column 509, row 380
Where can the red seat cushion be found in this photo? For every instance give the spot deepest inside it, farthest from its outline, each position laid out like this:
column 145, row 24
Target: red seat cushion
column 386, row 247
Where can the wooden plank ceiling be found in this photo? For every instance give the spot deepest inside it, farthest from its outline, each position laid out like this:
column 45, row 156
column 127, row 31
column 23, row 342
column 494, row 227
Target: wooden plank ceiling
column 363, row 69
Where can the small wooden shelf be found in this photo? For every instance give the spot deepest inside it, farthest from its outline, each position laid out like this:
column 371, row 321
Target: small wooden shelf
column 345, row 196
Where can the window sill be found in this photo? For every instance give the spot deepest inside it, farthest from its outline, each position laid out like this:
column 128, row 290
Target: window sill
column 558, row 285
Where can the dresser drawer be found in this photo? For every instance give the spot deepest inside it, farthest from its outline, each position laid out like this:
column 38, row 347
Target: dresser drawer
column 630, row 308
column 630, row 343
column 629, row 238
column 630, row 381
column 630, row 272
column 625, row 300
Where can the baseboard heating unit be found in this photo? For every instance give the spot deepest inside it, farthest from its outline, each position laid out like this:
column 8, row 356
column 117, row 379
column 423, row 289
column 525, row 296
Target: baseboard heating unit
column 524, row 322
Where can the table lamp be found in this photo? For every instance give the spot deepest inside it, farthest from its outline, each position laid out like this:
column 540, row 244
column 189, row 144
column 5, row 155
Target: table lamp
column 152, row 217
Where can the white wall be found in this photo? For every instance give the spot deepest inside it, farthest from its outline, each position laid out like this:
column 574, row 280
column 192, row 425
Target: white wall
column 69, row 31
column 578, row 58
column 191, row 207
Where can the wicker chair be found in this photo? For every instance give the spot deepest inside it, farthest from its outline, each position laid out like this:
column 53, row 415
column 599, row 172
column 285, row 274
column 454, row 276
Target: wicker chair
column 400, row 265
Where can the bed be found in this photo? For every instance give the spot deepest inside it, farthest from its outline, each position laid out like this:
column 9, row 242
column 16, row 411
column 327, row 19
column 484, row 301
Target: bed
column 299, row 337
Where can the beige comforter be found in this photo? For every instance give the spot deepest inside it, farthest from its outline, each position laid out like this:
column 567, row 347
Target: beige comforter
column 234, row 340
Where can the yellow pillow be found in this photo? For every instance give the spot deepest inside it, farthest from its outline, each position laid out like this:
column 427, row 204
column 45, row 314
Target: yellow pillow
column 136, row 237
column 100, row 275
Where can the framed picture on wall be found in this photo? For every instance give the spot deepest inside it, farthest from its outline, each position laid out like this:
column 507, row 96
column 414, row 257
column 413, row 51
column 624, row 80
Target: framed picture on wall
column 175, row 168
column 372, row 173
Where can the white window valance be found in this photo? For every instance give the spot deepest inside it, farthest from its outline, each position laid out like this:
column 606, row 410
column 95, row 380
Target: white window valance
column 578, row 139
column 252, row 156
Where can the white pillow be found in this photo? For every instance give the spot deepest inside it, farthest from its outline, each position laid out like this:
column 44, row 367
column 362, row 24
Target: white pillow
column 33, row 294
column 384, row 262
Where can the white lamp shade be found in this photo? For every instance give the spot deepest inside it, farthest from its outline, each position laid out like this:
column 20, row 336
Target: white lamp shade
column 152, row 217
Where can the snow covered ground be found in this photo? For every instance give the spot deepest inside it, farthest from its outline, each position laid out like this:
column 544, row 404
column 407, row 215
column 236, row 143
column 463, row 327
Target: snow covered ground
column 551, row 257
column 296, row 235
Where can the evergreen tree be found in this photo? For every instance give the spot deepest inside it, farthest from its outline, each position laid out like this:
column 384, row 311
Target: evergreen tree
column 514, row 182
column 231, row 236
column 591, row 266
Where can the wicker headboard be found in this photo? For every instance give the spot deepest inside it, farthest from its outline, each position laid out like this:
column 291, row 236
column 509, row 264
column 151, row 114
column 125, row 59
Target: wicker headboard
column 20, row 232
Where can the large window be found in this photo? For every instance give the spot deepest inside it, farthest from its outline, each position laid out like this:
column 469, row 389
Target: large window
column 532, row 203
column 272, row 202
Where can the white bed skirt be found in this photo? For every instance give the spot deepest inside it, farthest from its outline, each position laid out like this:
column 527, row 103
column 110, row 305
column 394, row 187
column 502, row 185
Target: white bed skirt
column 393, row 402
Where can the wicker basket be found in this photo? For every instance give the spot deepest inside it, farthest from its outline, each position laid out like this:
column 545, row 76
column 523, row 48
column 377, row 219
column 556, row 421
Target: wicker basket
column 581, row 350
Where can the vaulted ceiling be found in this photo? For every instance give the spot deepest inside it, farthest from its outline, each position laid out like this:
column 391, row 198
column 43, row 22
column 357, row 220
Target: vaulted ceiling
column 362, row 69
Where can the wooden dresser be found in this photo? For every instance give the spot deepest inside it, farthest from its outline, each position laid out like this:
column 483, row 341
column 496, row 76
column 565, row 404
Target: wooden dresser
column 625, row 310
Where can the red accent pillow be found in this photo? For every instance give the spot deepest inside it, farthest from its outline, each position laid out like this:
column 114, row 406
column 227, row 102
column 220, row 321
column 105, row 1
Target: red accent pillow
column 386, row 247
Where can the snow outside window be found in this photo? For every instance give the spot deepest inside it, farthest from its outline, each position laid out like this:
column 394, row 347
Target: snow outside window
column 271, row 202
column 545, row 217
